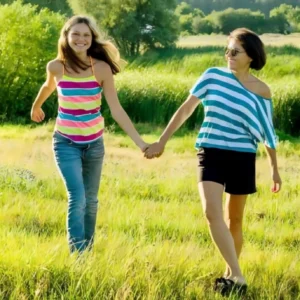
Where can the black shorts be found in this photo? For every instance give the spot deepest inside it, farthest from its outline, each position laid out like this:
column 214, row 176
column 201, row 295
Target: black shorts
column 235, row 170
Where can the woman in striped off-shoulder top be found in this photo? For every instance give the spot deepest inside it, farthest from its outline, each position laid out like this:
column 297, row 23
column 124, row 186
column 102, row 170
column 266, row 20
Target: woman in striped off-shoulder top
column 237, row 116
column 83, row 70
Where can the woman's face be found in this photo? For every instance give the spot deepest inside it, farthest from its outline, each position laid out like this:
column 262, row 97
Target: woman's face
column 80, row 38
column 236, row 56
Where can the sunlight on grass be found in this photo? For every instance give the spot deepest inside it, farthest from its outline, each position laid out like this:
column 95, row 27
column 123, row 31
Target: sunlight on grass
column 152, row 239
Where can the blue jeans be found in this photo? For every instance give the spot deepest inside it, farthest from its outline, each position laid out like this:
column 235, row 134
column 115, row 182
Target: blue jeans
column 80, row 166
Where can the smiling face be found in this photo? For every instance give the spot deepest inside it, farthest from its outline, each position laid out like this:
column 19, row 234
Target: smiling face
column 236, row 56
column 79, row 38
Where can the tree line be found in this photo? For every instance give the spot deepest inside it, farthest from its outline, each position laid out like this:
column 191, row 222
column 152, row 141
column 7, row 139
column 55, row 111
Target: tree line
column 138, row 25
column 265, row 6
column 283, row 19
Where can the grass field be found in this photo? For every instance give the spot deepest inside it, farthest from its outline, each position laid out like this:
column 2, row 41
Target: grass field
column 152, row 240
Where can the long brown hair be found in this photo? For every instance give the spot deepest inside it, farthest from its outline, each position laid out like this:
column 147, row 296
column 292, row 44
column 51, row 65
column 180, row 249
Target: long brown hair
column 102, row 50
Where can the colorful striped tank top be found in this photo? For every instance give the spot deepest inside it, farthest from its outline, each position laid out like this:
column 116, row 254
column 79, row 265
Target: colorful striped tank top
column 79, row 101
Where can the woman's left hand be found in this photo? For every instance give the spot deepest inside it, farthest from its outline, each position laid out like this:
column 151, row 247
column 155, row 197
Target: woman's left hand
column 276, row 181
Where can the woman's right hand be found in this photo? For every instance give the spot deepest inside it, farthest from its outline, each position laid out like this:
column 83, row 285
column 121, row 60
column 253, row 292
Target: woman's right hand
column 37, row 114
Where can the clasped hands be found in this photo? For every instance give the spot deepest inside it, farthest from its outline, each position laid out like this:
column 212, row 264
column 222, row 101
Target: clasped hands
column 153, row 150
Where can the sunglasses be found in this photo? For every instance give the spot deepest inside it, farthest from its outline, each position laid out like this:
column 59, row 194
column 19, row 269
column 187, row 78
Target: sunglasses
column 233, row 52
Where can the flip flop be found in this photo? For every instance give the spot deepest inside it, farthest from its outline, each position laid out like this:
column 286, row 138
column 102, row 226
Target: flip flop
column 227, row 286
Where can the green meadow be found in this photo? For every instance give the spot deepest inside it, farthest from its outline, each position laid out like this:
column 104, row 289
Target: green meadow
column 152, row 239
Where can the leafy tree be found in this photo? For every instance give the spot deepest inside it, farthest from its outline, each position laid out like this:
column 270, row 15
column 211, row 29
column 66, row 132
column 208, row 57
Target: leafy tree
column 134, row 24
column 229, row 19
column 54, row 5
column 198, row 13
column 290, row 15
column 202, row 26
column 186, row 22
column 283, row 9
column 186, row 16
column 183, row 9
column 279, row 19
column 28, row 40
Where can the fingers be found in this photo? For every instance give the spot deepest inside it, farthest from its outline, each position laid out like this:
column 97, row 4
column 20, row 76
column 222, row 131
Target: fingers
column 42, row 116
column 156, row 154
column 38, row 117
column 144, row 148
column 153, row 150
column 151, row 154
column 276, row 187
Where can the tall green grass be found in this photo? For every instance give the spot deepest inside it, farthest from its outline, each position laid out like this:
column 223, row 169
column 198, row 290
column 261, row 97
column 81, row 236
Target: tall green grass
column 282, row 61
column 152, row 239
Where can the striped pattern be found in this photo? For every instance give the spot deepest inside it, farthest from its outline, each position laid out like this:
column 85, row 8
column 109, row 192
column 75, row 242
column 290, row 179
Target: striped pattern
column 235, row 118
column 79, row 117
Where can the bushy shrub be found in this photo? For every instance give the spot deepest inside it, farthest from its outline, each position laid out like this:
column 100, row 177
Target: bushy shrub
column 28, row 40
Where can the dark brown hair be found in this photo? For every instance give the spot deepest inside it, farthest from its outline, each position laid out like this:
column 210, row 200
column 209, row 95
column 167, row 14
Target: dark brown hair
column 102, row 50
column 253, row 46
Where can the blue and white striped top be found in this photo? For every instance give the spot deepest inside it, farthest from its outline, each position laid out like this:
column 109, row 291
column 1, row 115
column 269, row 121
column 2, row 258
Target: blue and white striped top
column 234, row 117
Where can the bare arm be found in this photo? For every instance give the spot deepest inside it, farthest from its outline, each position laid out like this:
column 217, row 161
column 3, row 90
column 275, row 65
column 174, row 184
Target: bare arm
column 45, row 91
column 180, row 116
column 271, row 153
column 117, row 111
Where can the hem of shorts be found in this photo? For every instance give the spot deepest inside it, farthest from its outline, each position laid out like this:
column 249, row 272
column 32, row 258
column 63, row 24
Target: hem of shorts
column 234, row 193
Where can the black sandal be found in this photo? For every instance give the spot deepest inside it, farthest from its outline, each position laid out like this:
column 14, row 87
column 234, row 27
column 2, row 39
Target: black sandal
column 227, row 286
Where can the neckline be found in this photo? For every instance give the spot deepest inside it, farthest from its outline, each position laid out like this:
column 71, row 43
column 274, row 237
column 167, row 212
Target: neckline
column 69, row 77
column 72, row 77
column 246, row 89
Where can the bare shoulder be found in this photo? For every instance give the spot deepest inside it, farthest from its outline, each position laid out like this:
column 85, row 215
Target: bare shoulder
column 101, row 66
column 102, row 71
column 55, row 66
column 262, row 89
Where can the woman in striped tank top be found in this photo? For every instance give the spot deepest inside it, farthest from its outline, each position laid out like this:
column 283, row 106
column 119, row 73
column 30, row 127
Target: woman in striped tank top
column 84, row 68
column 237, row 116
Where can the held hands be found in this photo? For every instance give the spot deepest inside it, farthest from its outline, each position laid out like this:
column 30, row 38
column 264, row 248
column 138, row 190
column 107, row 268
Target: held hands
column 37, row 114
column 154, row 150
column 143, row 146
column 276, row 181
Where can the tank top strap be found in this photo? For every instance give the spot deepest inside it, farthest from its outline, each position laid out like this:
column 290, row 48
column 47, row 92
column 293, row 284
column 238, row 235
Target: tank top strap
column 92, row 65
